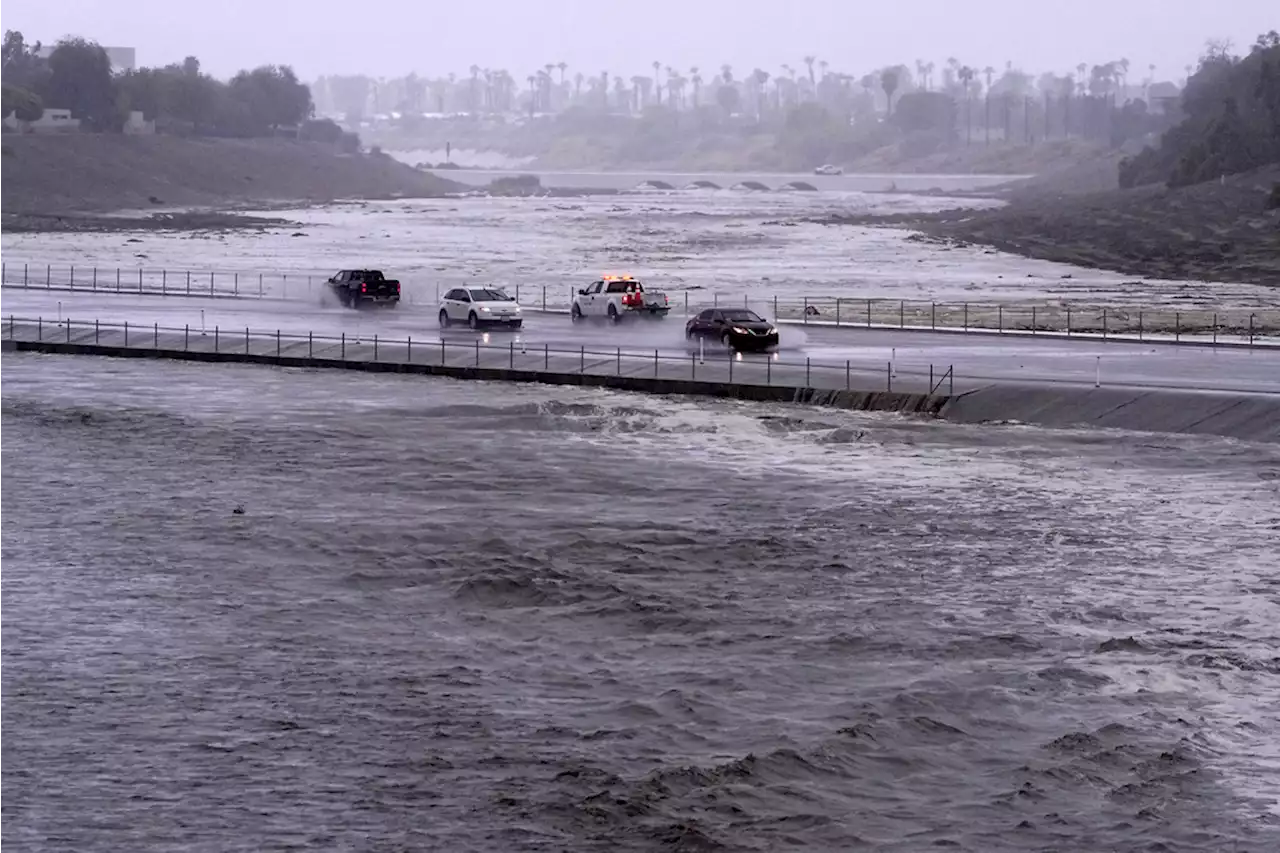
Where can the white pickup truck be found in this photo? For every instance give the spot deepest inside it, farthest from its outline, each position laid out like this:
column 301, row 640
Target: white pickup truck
column 615, row 297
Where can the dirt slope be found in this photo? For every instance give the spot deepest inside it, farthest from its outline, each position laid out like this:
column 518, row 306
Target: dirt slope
column 93, row 172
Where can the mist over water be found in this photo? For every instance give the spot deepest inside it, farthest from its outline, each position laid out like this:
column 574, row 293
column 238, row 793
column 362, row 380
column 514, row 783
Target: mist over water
column 471, row 616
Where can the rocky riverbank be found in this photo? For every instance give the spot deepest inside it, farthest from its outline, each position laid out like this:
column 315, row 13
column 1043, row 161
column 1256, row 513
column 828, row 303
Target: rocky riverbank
column 1219, row 231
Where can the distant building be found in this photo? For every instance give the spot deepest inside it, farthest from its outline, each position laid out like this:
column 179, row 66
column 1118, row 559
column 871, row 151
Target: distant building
column 122, row 58
column 53, row 121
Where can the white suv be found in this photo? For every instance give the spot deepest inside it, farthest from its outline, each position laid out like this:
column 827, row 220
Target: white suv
column 479, row 307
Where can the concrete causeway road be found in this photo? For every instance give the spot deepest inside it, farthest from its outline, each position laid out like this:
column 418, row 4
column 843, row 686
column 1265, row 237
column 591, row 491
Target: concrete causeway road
column 978, row 359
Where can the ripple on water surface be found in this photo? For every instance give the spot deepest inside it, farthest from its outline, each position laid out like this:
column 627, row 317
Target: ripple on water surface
column 489, row 617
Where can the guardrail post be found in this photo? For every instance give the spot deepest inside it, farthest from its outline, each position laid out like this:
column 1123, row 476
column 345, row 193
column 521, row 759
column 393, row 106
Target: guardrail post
column 806, row 372
column 582, row 359
column 260, row 284
column 117, row 279
column 126, row 332
column 211, row 284
column 48, row 275
column 477, row 352
column 68, row 330
column 95, row 278
column 1000, row 319
column 1177, row 326
column 24, row 275
column 278, row 343
column 888, row 375
column 375, row 346
column 511, row 350
column 215, row 338
column 186, row 336
column 847, row 378
column 1068, row 321
column 768, row 371
column 40, row 328
column 951, row 380
column 164, row 282
column 188, row 282
column 284, row 287
column 246, row 340
column 95, row 331
column 805, row 313
column 73, row 276
column 619, row 361
column 1104, row 324
column 966, row 316
column 343, row 351
column 837, row 310
column 235, row 284
column 139, row 279
column 1215, row 329
column 775, row 306
column 156, row 340
column 1033, row 319
column 310, row 350
column 902, row 314
column 933, row 316
column 655, row 360
column 544, row 296
column 1251, row 316
column 408, row 349
column 868, row 313
column 1139, row 324
column 442, row 359
column 1097, row 376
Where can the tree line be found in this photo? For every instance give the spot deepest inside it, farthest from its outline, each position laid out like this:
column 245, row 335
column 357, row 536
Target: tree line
column 77, row 75
column 1231, row 106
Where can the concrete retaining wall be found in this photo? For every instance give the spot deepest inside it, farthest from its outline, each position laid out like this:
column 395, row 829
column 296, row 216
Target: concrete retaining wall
column 1252, row 417
column 844, row 399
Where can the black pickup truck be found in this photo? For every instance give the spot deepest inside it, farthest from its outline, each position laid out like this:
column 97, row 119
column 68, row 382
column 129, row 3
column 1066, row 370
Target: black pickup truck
column 359, row 287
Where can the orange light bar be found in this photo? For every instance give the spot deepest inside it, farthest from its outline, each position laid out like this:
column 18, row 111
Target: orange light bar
column 616, row 278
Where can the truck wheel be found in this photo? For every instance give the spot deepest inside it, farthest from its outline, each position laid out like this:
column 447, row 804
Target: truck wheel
column 444, row 319
column 473, row 321
column 575, row 313
column 613, row 315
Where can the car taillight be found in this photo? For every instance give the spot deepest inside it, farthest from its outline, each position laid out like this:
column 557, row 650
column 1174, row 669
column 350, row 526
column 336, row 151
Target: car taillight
column 364, row 288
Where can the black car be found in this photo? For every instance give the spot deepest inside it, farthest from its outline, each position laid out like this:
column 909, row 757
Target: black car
column 736, row 328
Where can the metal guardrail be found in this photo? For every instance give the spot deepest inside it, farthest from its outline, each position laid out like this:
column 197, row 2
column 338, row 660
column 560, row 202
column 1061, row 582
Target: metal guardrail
column 1247, row 325
column 763, row 369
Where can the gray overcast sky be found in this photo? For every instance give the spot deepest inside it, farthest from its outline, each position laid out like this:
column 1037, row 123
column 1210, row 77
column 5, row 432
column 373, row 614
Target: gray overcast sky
column 393, row 37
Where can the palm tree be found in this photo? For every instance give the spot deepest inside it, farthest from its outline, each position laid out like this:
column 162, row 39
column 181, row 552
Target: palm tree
column 989, row 72
column 577, row 86
column 889, row 82
column 671, row 73
column 657, row 84
column 928, row 76
column 475, row 74
column 966, row 77
column 809, row 60
column 760, row 78
column 726, row 73
column 696, row 78
column 533, row 96
column 562, row 66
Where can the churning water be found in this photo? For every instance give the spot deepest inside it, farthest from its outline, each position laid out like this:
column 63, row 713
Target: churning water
column 460, row 616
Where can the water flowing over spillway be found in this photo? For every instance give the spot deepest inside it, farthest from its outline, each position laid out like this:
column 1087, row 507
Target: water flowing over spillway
column 783, row 628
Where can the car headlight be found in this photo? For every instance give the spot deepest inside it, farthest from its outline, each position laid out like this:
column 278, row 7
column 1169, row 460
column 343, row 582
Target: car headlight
column 741, row 331
column 515, row 308
column 484, row 307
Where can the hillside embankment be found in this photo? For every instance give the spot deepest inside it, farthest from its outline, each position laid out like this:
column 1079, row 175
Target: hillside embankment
column 65, row 182
column 1222, row 230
